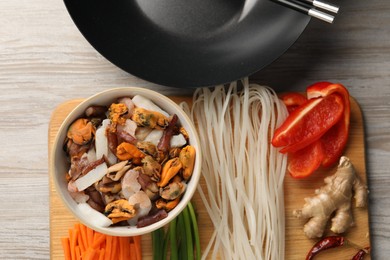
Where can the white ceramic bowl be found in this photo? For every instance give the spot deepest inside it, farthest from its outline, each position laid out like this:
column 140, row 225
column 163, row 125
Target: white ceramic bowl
column 60, row 165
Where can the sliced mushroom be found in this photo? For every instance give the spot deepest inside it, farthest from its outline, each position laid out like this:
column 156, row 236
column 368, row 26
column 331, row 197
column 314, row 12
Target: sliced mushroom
column 117, row 167
column 116, row 171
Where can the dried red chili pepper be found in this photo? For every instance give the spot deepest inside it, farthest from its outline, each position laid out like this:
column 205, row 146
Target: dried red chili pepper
column 361, row 253
column 324, row 244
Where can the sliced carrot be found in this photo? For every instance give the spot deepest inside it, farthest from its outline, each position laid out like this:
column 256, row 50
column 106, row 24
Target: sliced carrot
column 78, row 253
column 90, row 236
column 133, row 250
column 73, row 234
column 102, row 254
column 98, row 240
column 127, row 248
column 121, row 249
column 124, row 247
column 89, row 254
column 83, row 230
column 138, row 248
column 85, row 243
column 66, row 246
column 114, row 248
column 79, row 238
column 108, row 247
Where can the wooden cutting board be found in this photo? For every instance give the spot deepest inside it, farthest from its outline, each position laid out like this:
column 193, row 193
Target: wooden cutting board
column 297, row 245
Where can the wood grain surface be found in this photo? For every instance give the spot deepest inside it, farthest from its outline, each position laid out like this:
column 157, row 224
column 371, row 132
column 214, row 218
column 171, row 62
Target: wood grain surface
column 297, row 244
column 45, row 61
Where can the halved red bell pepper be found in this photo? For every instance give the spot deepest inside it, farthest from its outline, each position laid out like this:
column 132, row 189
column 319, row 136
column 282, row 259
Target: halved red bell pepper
column 293, row 100
column 305, row 161
column 308, row 123
column 334, row 140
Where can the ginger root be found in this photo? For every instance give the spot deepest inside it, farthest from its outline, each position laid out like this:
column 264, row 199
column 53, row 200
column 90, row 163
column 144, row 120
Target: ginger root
column 336, row 197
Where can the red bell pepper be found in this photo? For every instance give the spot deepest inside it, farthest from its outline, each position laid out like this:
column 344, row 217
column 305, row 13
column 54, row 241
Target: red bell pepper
column 293, row 100
column 308, row 123
column 334, row 140
column 305, row 161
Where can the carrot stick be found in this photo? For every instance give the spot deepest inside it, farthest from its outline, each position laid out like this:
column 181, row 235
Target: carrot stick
column 108, row 247
column 73, row 234
column 89, row 254
column 121, row 249
column 90, row 236
column 138, row 249
column 83, row 230
column 133, row 252
column 102, row 254
column 127, row 248
column 114, row 248
column 98, row 240
column 78, row 253
column 124, row 247
column 97, row 254
column 79, row 238
column 85, row 243
column 66, row 246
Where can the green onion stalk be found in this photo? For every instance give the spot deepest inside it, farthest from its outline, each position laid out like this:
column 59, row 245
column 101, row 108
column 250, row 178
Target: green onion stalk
column 180, row 239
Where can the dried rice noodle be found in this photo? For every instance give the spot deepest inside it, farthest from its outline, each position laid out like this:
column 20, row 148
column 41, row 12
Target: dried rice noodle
column 243, row 173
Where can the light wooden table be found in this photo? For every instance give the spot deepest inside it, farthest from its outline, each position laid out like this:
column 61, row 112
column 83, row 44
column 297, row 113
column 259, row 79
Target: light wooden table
column 45, row 61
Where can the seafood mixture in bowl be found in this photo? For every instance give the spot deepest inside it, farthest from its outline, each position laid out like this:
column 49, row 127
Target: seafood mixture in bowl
column 130, row 161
